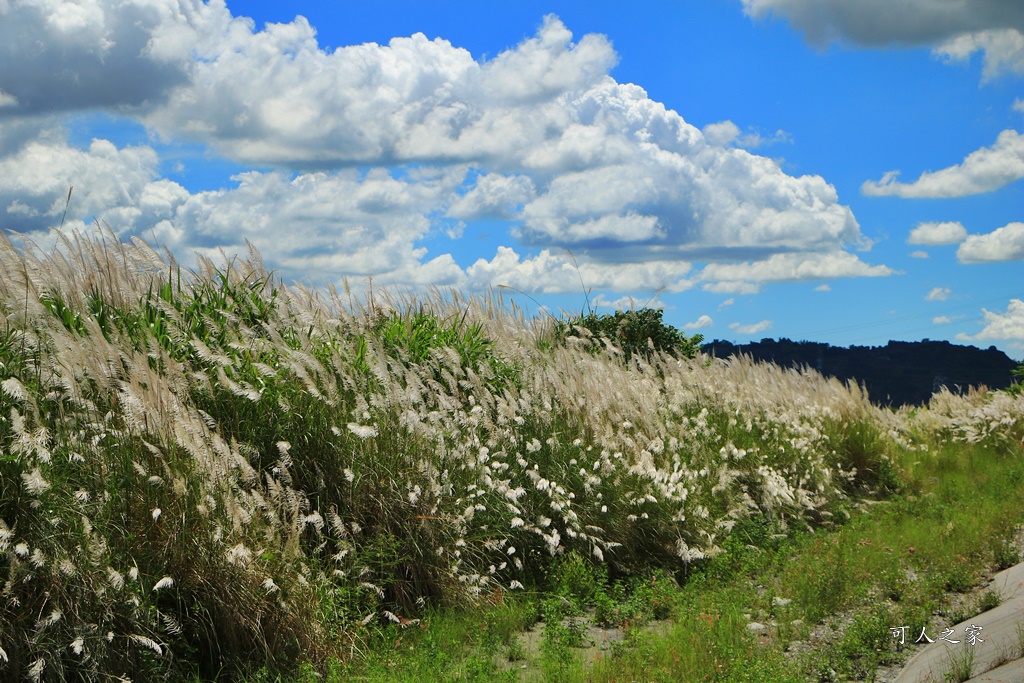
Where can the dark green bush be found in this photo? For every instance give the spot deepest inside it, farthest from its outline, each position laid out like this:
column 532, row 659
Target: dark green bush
column 639, row 332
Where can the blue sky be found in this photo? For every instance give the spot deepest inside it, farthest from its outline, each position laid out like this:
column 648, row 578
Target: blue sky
column 812, row 169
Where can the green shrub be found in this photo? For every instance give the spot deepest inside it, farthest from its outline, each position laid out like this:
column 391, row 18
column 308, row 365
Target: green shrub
column 579, row 580
column 635, row 332
column 412, row 336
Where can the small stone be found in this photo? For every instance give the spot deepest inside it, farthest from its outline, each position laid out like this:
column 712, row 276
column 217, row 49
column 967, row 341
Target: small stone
column 756, row 627
column 781, row 602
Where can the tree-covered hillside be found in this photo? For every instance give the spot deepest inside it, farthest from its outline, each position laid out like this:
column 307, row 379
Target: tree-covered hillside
column 899, row 373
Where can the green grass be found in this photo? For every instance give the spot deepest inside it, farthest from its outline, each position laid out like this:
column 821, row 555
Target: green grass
column 792, row 583
column 961, row 666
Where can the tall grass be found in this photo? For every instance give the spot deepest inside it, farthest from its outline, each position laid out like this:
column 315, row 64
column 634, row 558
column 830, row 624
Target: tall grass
column 206, row 471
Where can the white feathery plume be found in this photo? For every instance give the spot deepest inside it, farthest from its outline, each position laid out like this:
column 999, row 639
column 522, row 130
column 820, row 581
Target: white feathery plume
column 165, row 582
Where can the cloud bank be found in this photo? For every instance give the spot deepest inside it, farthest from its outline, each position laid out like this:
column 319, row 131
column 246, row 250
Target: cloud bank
column 540, row 136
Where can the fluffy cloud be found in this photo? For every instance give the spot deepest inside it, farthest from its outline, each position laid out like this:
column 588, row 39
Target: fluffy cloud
column 594, row 160
column 722, row 133
column 985, row 170
column 323, row 225
column 318, row 225
column 1006, row 326
column 938, row 294
column 549, row 272
column 753, row 328
column 275, row 97
column 700, row 323
column 494, row 195
column 743, row 278
column 605, row 162
column 725, row 133
column 702, row 199
column 111, row 183
column 956, row 28
column 1003, row 50
column 934, row 234
column 539, row 135
column 1003, row 244
column 81, row 54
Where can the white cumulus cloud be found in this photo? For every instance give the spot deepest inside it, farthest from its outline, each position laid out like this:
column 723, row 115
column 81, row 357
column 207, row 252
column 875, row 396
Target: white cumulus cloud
column 984, row 170
column 700, row 323
column 1003, row 50
column 319, row 225
column 938, row 294
column 722, row 133
column 753, row 328
column 110, row 183
column 725, row 133
column 550, row 272
column 324, row 225
column 540, row 135
column 1003, row 244
column 794, row 267
column 934, row 234
column 596, row 160
column 1007, row 326
column 494, row 195
column 81, row 54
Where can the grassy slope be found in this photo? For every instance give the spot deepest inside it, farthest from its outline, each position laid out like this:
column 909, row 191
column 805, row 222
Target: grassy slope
column 206, row 474
column 900, row 563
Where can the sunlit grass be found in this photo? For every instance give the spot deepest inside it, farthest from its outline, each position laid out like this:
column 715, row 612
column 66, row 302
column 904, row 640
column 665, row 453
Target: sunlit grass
column 886, row 567
column 214, row 474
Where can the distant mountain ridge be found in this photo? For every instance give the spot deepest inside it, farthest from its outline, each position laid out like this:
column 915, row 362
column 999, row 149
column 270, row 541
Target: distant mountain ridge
column 899, row 373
